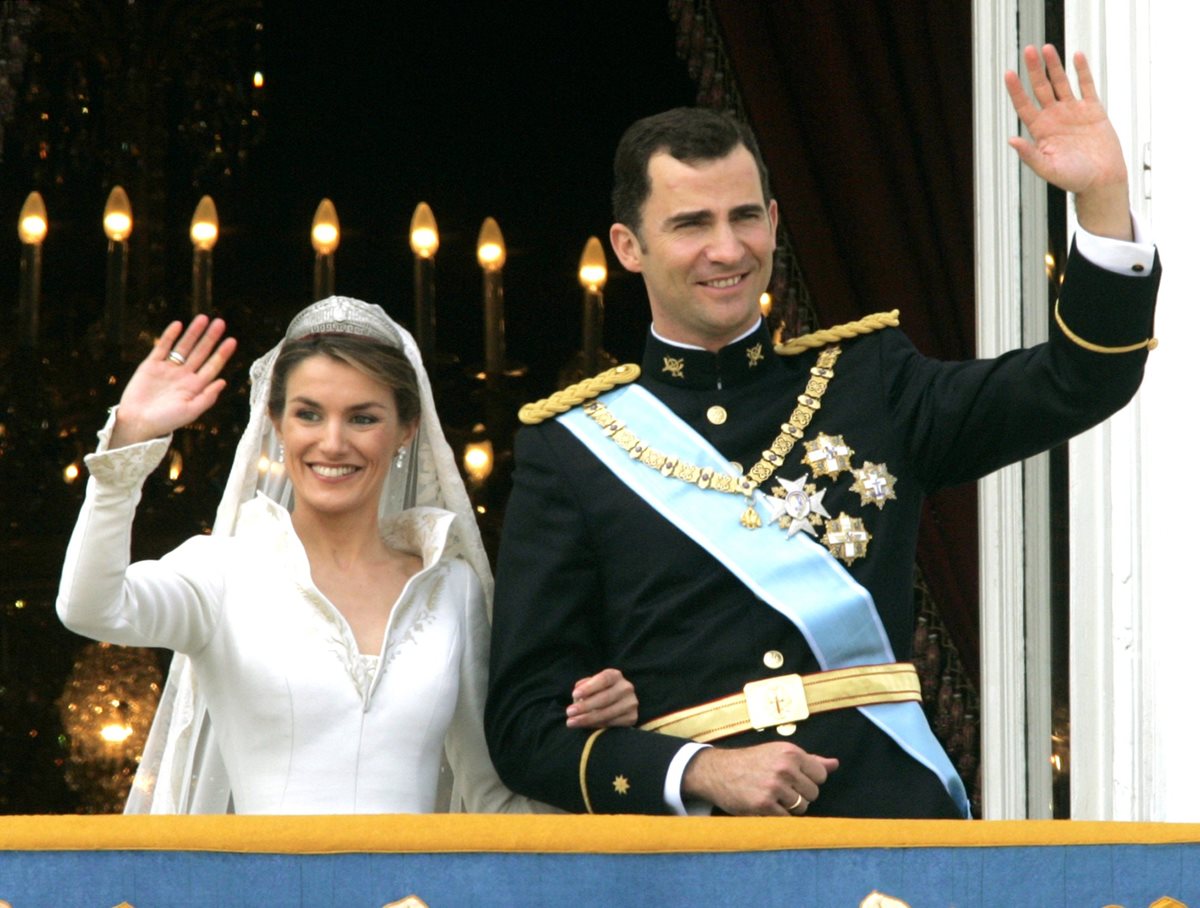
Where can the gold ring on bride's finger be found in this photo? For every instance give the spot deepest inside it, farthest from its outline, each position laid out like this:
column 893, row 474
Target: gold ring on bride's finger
column 177, row 358
column 799, row 801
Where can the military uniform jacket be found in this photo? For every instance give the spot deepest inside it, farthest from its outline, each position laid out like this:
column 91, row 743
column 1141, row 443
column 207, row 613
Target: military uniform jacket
column 590, row 576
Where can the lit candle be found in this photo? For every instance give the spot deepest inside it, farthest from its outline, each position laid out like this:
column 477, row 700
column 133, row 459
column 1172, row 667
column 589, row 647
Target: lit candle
column 326, row 233
column 118, row 225
column 490, row 252
column 31, row 228
column 593, row 273
column 204, row 236
column 423, row 240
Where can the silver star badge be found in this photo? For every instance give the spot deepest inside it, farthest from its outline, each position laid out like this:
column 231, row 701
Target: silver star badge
column 796, row 506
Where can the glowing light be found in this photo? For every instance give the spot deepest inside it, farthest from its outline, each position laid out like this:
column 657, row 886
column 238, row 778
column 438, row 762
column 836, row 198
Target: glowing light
column 490, row 255
column 70, row 473
column 32, row 225
column 176, row 468
column 489, row 249
column 764, row 304
column 423, row 232
column 593, row 266
column 477, row 460
column 115, row 733
column 325, row 235
column 1051, row 264
column 326, row 230
column 259, row 81
column 204, row 235
column 118, row 216
column 204, row 224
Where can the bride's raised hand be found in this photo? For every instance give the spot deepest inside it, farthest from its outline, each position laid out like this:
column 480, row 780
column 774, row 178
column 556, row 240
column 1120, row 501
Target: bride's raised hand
column 606, row 699
column 175, row 383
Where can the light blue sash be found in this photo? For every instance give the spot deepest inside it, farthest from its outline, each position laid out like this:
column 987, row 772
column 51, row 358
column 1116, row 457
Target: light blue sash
column 796, row 576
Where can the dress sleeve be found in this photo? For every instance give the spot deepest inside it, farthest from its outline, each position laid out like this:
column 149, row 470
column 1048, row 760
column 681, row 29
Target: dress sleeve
column 168, row 603
column 477, row 787
column 549, row 631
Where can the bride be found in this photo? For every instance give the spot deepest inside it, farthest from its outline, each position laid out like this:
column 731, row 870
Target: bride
column 331, row 635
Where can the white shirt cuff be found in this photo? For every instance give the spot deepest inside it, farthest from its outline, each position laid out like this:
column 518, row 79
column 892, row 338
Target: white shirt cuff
column 1135, row 258
column 673, row 784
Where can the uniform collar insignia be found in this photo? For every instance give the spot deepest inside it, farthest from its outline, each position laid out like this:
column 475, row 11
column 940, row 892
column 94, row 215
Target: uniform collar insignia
column 742, row 361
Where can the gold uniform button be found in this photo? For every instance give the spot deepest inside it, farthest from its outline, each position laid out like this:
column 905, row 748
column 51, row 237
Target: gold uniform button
column 717, row 415
column 773, row 658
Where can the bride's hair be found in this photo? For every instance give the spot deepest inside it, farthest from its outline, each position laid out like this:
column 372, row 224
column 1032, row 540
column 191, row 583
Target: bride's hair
column 385, row 363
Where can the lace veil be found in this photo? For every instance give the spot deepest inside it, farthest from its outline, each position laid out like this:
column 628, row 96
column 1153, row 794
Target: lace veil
column 181, row 770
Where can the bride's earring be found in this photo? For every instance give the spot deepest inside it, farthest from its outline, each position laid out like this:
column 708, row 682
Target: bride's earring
column 400, row 455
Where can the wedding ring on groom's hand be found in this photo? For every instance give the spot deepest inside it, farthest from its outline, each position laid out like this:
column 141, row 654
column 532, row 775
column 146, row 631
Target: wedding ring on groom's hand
column 177, row 358
column 799, row 801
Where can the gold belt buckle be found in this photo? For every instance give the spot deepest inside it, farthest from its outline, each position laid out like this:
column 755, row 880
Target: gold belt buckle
column 774, row 701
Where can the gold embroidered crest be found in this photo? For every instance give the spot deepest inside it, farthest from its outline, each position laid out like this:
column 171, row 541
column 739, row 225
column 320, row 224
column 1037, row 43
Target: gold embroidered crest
column 673, row 366
column 754, row 354
column 621, row 785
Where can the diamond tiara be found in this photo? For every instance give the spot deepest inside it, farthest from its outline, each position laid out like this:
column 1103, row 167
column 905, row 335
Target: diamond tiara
column 343, row 315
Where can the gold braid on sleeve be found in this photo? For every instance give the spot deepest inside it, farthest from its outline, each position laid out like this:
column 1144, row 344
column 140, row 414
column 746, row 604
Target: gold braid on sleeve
column 1149, row 343
column 578, row 393
column 583, row 762
column 866, row 325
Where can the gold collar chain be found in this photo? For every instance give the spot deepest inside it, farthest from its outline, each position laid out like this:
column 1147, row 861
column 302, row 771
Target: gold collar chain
column 792, row 431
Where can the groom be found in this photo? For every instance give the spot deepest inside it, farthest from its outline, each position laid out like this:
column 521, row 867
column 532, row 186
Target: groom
column 734, row 526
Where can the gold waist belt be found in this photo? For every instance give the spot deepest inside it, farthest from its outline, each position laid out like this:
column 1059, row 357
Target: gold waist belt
column 791, row 698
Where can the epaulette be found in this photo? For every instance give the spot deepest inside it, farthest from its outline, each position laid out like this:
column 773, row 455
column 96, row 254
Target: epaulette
column 578, row 393
column 867, row 325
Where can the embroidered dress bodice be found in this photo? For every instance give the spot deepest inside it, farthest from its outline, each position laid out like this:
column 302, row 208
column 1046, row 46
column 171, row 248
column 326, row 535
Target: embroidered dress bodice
column 305, row 723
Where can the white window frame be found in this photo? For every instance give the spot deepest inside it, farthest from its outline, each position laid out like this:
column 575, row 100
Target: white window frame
column 1112, row 678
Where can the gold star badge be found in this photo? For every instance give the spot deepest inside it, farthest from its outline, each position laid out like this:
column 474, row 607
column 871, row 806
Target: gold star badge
column 828, row 455
column 673, row 366
column 621, row 785
column 874, row 484
column 846, row 537
column 754, row 354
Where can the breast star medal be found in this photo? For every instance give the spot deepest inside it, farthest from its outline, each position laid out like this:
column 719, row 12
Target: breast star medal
column 799, row 506
column 874, row 484
column 828, row 455
column 846, row 537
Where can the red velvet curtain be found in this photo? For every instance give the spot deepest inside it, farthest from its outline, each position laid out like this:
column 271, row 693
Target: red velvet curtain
column 863, row 113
